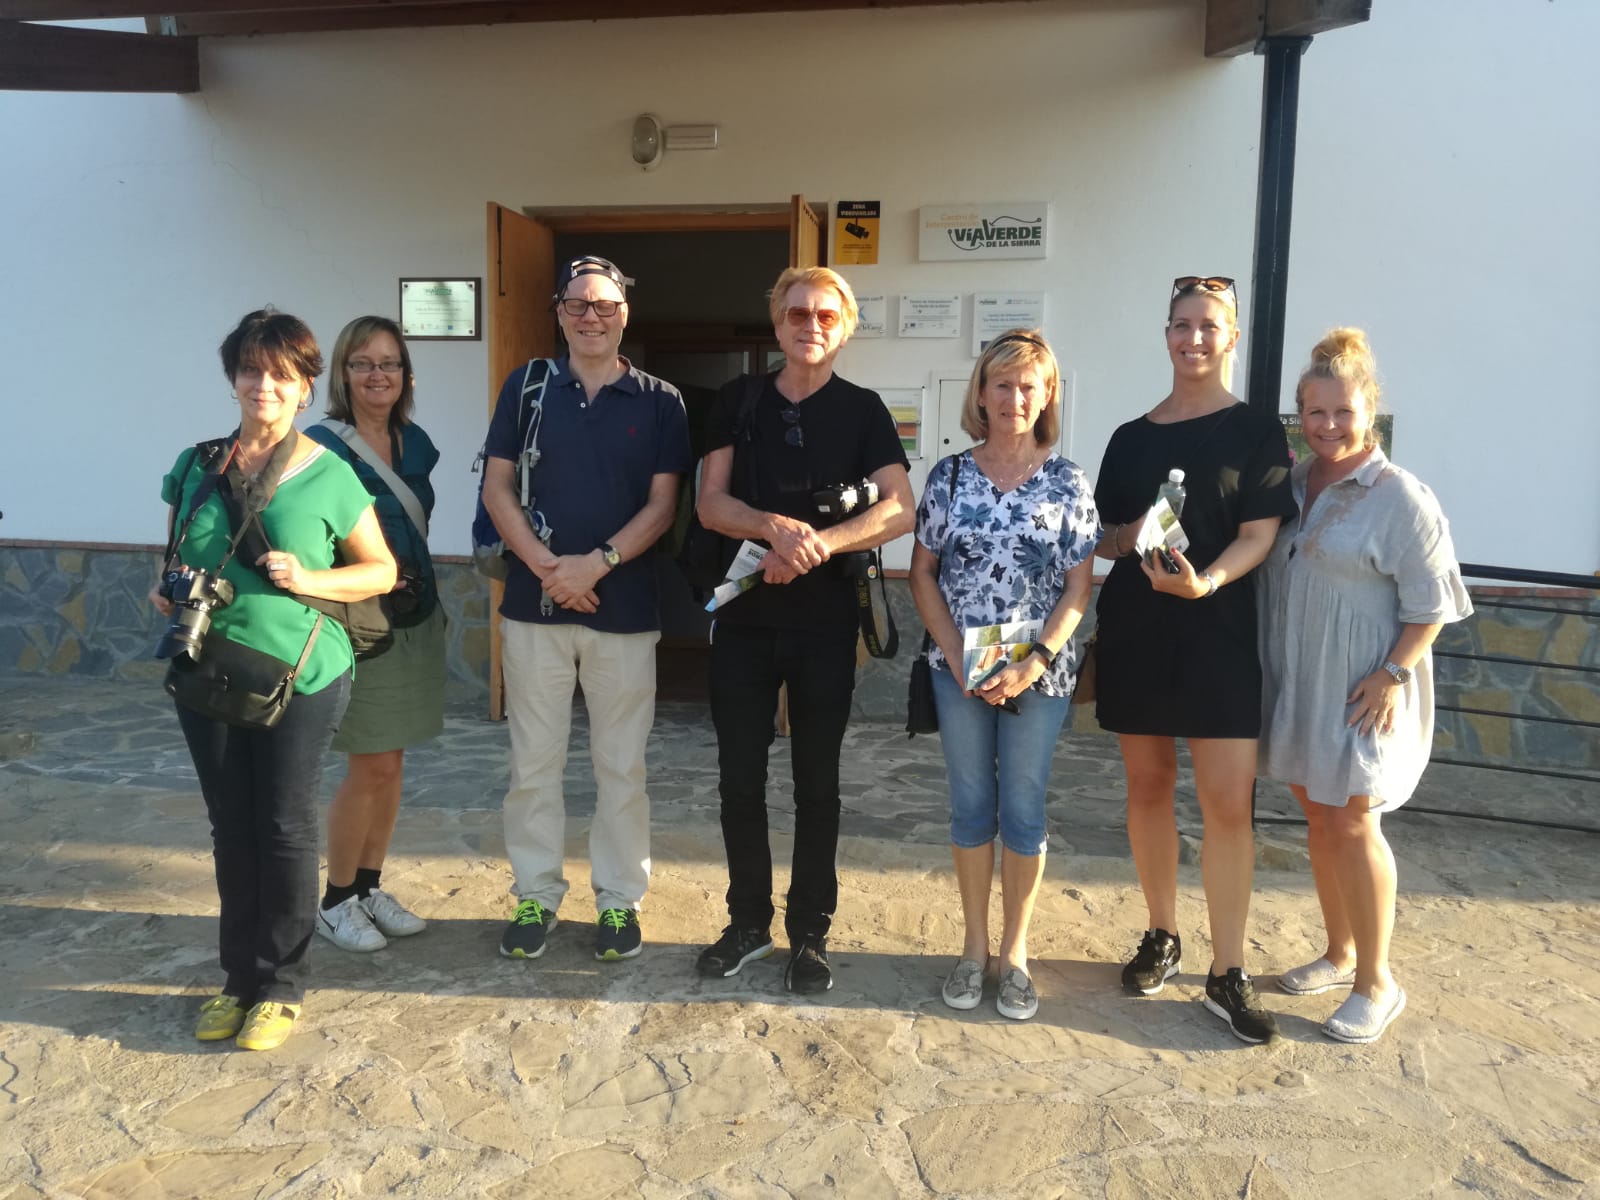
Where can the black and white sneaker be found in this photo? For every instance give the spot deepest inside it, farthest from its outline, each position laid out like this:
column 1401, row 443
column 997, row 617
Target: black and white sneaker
column 808, row 969
column 1232, row 996
column 1158, row 959
column 737, row 945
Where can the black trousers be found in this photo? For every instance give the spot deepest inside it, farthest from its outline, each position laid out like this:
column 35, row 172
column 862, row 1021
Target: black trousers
column 260, row 788
column 747, row 667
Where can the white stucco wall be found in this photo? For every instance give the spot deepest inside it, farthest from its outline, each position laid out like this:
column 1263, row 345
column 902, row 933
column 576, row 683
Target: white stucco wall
column 1447, row 176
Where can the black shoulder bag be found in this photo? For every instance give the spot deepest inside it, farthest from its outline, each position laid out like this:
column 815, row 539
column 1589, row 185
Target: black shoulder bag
column 706, row 555
column 922, row 716
column 230, row 682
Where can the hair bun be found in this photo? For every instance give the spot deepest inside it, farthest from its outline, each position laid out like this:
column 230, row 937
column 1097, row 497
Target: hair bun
column 1343, row 343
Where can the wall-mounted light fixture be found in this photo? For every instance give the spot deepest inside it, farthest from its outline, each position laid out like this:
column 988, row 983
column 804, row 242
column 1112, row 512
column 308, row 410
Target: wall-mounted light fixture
column 651, row 139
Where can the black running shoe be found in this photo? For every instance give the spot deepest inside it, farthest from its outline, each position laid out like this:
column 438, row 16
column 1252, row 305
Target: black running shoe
column 1232, row 996
column 808, row 969
column 1158, row 959
column 525, row 936
column 617, row 935
column 737, row 945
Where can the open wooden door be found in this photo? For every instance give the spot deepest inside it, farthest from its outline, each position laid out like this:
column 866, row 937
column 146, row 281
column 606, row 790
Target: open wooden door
column 806, row 247
column 522, row 276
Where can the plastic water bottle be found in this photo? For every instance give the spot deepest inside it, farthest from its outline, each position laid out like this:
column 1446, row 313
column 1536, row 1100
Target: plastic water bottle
column 1172, row 491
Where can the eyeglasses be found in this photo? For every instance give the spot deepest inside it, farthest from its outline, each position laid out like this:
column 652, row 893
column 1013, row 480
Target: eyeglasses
column 365, row 366
column 602, row 308
column 793, row 436
column 827, row 318
column 1205, row 283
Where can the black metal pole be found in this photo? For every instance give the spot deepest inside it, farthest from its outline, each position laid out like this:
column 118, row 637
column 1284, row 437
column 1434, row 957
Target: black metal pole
column 1269, row 291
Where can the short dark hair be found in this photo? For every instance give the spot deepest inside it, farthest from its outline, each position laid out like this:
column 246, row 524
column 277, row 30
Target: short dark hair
column 271, row 338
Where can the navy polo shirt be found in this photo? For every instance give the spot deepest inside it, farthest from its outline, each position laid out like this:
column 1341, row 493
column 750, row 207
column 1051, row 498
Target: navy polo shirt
column 597, row 459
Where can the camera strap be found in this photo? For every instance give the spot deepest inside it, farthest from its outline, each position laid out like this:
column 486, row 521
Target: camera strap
column 950, row 510
column 213, row 451
column 871, row 613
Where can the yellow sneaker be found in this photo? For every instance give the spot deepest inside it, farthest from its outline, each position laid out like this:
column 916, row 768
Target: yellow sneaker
column 221, row 1017
column 267, row 1026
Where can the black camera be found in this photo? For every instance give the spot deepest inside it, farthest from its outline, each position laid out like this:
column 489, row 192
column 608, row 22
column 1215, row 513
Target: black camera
column 194, row 594
column 840, row 500
column 406, row 597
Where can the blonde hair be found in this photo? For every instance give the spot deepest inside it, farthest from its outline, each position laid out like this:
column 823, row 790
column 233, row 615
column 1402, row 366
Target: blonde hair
column 1344, row 355
column 817, row 277
column 1015, row 350
column 351, row 338
column 1230, row 305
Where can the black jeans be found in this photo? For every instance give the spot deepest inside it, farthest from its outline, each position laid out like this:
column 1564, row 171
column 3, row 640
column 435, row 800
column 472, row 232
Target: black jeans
column 747, row 667
column 261, row 794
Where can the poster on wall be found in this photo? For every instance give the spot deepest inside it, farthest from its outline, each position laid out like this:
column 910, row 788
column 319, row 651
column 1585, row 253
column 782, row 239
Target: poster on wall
column 905, row 406
column 951, row 232
column 995, row 312
column 1300, row 449
column 872, row 316
column 930, row 315
column 441, row 310
column 855, row 233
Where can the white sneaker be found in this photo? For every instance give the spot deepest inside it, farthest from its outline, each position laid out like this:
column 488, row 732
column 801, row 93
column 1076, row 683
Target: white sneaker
column 348, row 927
column 392, row 918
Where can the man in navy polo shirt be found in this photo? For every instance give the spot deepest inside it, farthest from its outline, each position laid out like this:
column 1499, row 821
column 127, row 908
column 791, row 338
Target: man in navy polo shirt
column 580, row 606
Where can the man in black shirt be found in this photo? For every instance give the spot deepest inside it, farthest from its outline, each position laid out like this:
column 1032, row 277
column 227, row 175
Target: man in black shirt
column 808, row 429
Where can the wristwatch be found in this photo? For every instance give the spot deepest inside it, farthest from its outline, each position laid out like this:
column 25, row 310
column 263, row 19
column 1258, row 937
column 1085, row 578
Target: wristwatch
column 610, row 554
column 1045, row 653
column 1402, row 675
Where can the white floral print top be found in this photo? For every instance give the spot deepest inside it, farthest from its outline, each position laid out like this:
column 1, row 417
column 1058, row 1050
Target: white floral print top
column 1004, row 556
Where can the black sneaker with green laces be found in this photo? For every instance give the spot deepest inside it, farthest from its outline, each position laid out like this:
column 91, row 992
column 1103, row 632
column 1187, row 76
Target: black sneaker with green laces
column 1232, row 996
column 617, row 935
column 525, row 936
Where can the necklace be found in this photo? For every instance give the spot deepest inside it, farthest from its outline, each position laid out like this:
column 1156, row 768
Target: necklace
column 1006, row 480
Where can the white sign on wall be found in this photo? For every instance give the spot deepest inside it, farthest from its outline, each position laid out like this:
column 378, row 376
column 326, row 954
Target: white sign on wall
column 930, row 315
column 951, row 232
column 995, row 312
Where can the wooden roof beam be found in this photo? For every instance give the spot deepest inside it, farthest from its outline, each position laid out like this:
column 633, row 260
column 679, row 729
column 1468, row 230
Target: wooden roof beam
column 106, row 10
column 55, row 58
column 1238, row 26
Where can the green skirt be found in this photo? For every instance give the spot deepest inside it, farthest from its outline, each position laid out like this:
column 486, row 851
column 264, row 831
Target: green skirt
column 397, row 698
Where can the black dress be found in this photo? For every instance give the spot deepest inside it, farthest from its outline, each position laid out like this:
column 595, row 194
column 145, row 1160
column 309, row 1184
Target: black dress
column 1175, row 667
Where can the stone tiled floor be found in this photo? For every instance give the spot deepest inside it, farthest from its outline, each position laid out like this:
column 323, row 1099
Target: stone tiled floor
column 436, row 1068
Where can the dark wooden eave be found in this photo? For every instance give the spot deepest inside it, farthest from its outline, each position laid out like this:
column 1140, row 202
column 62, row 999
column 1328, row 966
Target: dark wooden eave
column 46, row 57
column 1239, row 26
column 55, row 58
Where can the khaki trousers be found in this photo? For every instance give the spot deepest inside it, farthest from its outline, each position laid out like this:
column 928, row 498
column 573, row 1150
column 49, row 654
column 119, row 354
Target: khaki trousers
column 618, row 673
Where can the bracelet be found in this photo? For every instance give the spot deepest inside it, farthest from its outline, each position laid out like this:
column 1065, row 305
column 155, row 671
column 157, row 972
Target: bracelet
column 1045, row 653
column 1211, row 585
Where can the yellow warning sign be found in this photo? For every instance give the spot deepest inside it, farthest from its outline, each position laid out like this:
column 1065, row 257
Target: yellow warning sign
column 855, row 232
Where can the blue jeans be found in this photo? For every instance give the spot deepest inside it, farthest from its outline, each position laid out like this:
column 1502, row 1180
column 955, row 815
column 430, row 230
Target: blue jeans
column 261, row 788
column 998, row 763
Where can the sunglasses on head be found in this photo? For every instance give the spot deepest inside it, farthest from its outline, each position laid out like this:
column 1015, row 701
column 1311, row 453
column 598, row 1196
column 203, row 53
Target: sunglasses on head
column 1204, row 283
column 799, row 315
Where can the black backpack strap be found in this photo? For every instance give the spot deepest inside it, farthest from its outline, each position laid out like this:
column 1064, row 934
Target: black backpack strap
column 744, row 429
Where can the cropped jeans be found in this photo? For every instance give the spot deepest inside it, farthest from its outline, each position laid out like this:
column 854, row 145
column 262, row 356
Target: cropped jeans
column 998, row 763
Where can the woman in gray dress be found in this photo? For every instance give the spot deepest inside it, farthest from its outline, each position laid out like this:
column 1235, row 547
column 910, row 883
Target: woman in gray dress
column 1351, row 598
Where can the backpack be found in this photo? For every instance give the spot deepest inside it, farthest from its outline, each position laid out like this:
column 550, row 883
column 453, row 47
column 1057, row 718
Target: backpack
column 704, row 556
column 488, row 547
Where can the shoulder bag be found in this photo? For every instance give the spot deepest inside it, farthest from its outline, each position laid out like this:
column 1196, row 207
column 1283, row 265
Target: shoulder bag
column 922, row 715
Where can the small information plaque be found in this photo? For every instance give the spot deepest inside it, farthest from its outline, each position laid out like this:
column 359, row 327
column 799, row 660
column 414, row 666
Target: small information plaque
column 441, row 310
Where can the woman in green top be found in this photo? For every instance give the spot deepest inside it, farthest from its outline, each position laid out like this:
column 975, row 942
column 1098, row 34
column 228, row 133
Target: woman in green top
column 260, row 786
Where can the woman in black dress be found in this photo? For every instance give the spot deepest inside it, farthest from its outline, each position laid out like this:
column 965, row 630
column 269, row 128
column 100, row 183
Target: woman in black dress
column 1177, row 652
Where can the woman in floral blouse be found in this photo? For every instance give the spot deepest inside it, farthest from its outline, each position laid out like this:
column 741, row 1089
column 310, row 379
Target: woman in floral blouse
column 1005, row 533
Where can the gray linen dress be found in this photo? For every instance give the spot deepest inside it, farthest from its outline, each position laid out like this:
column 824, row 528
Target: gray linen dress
column 1373, row 553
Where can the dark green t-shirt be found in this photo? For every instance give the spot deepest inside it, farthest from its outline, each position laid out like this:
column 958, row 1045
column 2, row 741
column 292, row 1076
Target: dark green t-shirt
column 318, row 501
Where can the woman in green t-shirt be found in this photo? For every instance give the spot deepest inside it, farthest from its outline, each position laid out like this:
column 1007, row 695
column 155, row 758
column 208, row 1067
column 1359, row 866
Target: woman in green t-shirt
column 260, row 786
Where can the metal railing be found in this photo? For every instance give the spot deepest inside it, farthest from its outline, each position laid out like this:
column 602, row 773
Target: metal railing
column 1550, row 579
